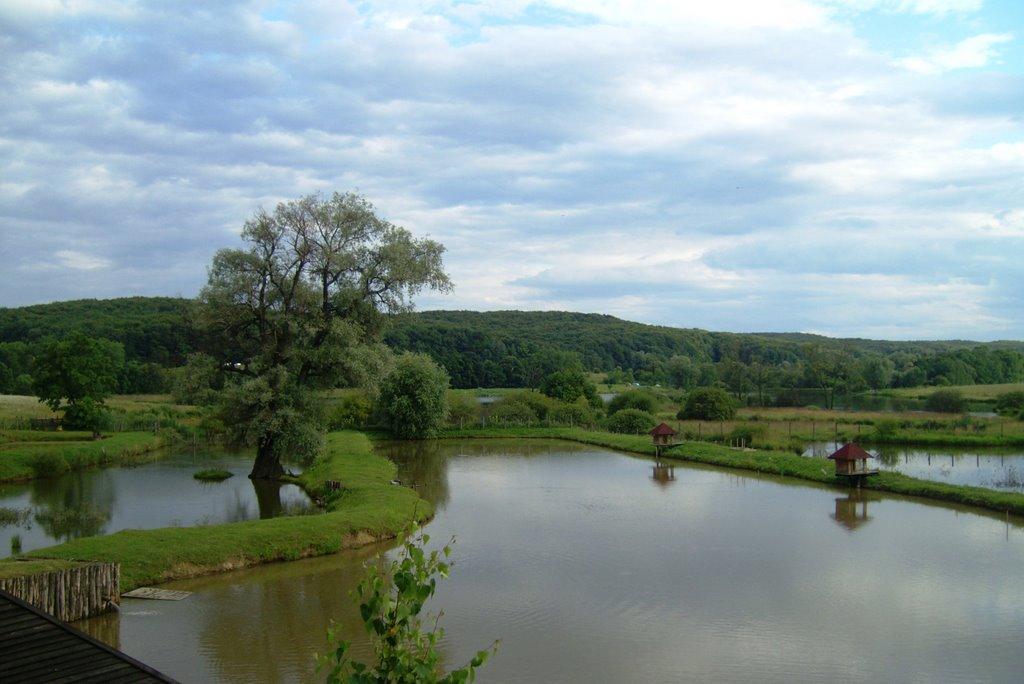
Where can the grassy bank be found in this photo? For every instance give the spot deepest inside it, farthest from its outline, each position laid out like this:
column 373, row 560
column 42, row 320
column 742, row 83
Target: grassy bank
column 25, row 455
column 981, row 393
column 367, row 508
column 770, row 462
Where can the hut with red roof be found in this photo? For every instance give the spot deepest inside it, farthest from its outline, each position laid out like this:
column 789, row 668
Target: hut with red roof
column 852, row 462
column 663, row 435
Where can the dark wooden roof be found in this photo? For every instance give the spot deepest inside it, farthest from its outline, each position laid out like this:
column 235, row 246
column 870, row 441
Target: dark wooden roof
column 850, row 452
column 663, row 429
column 35, row 647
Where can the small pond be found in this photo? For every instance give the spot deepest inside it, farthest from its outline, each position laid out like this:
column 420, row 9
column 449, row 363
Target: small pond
column 991, row 467
column 595, row 566
column 161, row 493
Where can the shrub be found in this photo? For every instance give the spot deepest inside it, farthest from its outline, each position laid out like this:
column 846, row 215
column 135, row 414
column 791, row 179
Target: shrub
column 514, row 412
column 886, row 429
column 412, row 397
column 351, row 412
column 708, row 403
column 462, row 409
column 946, row 401
column 1010, row 403
column 87, row 414
column 573, row 415
column 630, row 421
column 48, row 464
column 748, row 434
column 635, row 399
column 569, row 384
column 535, row 400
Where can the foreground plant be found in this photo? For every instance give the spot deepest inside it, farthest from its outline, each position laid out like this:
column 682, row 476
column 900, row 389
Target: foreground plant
column 390, row 603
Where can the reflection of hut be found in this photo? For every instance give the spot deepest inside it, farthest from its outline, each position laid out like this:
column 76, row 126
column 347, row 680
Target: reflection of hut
column 664, row 474
column 852, row 511
column 852, row 463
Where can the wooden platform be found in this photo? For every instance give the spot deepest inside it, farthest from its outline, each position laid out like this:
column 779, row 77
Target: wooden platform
column 157, row 594
column 36, row 647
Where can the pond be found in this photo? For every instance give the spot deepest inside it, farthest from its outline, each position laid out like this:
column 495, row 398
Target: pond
column 161, row 493
column 594, row 566
column 991, row 467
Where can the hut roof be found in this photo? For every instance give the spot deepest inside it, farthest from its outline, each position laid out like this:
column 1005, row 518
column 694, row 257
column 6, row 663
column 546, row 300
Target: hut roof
column 663, row 429
column 850, row 452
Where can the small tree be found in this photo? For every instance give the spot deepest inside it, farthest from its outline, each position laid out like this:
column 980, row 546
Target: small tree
column 569, row 384
column 412, row 397
column 390, row 604
column 636, row 399
column 946, row 401
column 708, row 403
column 78, row 369
column 630, row 421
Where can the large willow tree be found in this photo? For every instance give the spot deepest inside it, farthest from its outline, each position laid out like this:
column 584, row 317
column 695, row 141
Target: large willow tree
column 288, row 313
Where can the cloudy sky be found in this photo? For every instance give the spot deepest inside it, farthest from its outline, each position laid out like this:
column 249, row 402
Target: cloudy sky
column 848, row 167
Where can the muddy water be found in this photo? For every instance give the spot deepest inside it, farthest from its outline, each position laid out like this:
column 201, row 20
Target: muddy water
column 593, row 566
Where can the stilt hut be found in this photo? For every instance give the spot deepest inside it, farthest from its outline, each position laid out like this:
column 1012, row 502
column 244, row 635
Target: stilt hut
column 662, row 436
column 852, row 463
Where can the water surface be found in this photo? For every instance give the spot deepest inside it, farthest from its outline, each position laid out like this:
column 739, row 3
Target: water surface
column 161, row 493
column 593, row 566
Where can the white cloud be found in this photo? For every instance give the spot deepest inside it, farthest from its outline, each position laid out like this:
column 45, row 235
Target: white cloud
column 81, row 261
column 976, row 51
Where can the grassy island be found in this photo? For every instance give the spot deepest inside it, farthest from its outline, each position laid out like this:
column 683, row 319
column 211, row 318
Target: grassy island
column 212, row 475
column 25, row 455
column 367, row 508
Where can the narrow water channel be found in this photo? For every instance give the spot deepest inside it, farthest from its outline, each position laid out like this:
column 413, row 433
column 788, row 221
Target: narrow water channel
column 594, row 566
column 161, row 493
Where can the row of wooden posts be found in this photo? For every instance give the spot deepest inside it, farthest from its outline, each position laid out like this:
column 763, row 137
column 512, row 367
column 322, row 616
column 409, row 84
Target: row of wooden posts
column 73, row 593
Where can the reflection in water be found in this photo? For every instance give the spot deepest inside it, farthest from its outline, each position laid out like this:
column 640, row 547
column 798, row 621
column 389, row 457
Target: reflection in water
column 569, row 556
column 852, row 510
column 158, row 494
column 663, row 475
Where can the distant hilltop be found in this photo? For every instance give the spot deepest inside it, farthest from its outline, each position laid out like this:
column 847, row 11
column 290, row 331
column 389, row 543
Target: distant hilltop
column 491, row 348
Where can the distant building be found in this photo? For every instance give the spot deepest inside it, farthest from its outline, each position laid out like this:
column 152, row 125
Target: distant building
column 663, row 435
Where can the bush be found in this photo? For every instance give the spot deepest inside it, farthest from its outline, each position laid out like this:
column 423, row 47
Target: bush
column 748, row 434
column 578, row 414
column 636, row 399
column 946, row 401
column 514, row 412
column 708, row 403
column 886, row 429
column 462, row 409
column 535, row 400
column 569, row 384
column 351, row 412
column 412, row 397
column 1010, row 403
column 48, row 464
column 630, row 421
column 87, row 414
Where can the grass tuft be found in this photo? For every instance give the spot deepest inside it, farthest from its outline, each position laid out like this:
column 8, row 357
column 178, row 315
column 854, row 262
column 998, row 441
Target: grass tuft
column 212, row 475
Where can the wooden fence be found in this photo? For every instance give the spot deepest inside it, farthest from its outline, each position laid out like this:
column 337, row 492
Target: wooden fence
column 71, row 594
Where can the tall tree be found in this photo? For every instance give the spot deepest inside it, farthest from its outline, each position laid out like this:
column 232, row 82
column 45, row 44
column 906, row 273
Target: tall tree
column 75, row 374
column 287, row 313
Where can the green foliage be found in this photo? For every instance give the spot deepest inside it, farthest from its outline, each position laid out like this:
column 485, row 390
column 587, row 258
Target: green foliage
column 197, row 381
column 1010, row 403
column 390, row 604
column 946, row 401
column 630, row 421
column 539, row 403
column 637, row 399
column 412, row 397
column 577, row 414
column 87, row 414
column 886, row 429
column 74, row 369
column 513, row 411
column 212, row 475
column 290, row 311
column 462, row 409
column 749, row 434
column 569, row 384
column 708, row 403
column 352, row 412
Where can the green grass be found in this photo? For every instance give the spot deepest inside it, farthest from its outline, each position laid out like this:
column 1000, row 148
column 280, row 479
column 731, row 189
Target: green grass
column 971, row 392
column 368, row 508
column 10, row 567
column 32, row 459
column 212, row 475
column 769, row 462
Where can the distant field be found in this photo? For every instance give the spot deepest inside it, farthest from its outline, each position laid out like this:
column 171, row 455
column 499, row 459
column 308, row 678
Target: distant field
column 970, row 392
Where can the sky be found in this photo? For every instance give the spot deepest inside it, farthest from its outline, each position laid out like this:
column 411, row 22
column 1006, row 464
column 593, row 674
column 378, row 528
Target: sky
column 843, row 167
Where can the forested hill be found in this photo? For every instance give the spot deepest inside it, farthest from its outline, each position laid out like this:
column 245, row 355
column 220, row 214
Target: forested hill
column 502, row 348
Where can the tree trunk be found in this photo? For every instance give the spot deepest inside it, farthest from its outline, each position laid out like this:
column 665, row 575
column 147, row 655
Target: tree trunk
column 267, row 465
